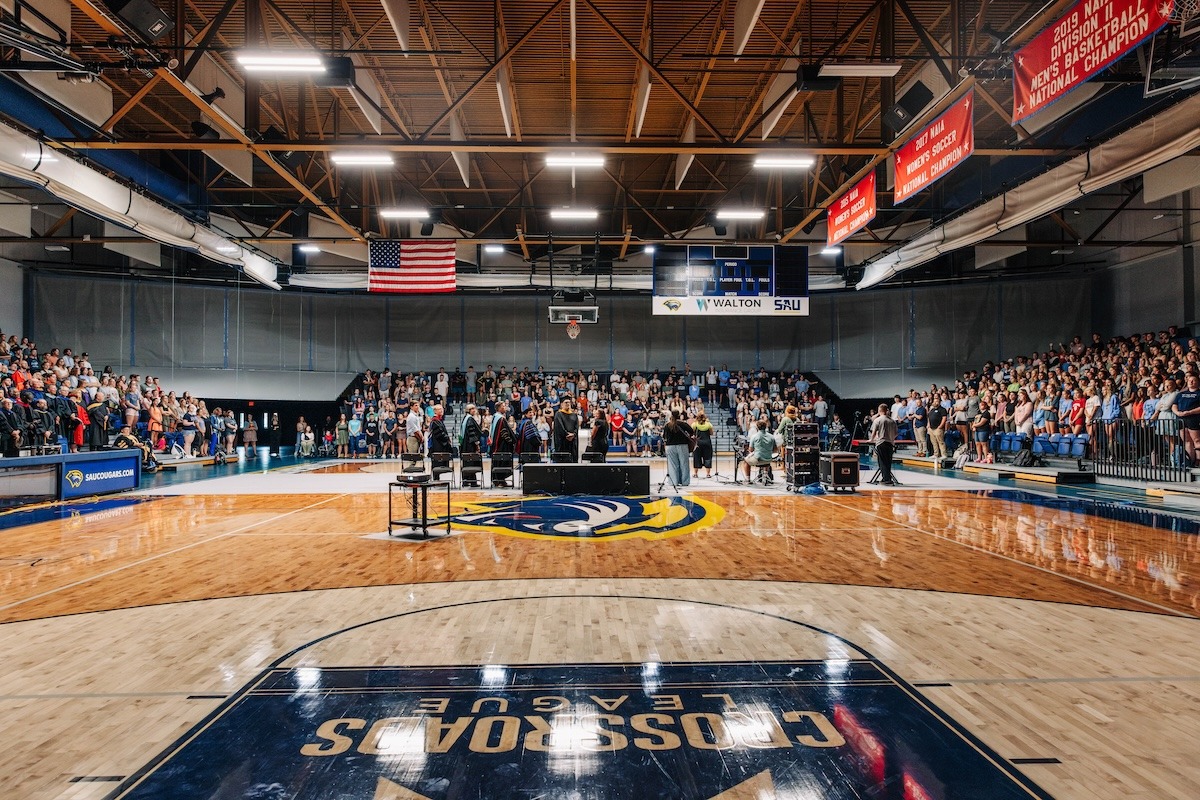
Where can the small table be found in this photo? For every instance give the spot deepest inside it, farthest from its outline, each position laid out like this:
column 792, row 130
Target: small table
column 418, row 504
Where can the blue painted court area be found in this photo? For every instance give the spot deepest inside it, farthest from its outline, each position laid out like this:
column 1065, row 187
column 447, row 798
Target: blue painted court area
column 67, row 510
column 828, row 730
column 242, row 466
column 1103, row 502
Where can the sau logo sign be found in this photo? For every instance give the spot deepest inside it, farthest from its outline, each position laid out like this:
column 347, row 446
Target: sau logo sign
column 672, row 305
column 74, row 478
column 591, row 517
column 835, row 730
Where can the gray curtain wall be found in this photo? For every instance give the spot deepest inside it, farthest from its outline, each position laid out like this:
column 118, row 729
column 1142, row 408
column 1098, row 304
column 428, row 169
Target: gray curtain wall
column 140, row 327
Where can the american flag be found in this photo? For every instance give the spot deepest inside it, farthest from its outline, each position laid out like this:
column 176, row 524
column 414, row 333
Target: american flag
column 411, row 266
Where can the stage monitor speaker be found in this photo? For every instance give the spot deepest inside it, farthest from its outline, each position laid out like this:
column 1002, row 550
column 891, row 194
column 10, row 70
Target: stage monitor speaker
column 909, row 106
column 144, row 17
column 602, row 479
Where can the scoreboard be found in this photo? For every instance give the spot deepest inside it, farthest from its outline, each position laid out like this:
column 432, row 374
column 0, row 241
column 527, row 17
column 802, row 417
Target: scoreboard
column 730, row 280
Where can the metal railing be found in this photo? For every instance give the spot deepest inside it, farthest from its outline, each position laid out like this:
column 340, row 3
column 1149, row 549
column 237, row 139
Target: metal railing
column 1140, row 450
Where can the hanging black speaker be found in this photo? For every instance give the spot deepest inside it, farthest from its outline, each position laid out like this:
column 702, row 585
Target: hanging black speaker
column 909, row 106
column 144, row 17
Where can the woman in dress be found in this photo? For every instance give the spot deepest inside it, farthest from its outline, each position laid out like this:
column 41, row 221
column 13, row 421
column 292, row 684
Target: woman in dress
column 274, row 434
column 250, row 438
column 342, row 438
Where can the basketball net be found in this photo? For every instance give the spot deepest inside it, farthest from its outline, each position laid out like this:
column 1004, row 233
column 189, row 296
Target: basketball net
column 572, row 330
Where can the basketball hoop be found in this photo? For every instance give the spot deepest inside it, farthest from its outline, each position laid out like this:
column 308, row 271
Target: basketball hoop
column 572, row 330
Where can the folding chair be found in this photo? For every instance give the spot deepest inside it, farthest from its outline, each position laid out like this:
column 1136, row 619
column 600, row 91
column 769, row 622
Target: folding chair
column 470, row 468
column 412, row 463
column 526, row 458
column 440, row 464
column 502, row 468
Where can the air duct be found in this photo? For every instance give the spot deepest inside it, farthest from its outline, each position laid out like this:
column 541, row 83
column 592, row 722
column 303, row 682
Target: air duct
column 1155, row 141
column 28, row 160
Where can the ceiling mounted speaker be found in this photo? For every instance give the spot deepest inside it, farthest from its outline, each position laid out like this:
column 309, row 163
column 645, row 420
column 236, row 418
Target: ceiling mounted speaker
column 338, row 74
column 909, row 106
column 144, row 17
column 808, row 79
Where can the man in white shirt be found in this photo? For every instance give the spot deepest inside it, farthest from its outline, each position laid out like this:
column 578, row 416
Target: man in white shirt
column 412, row 428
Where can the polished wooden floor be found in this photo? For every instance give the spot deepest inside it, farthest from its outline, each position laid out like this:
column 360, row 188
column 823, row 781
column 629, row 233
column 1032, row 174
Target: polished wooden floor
column 1050, row 634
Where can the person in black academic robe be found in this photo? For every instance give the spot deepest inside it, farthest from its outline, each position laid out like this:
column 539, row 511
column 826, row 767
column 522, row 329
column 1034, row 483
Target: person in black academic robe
column 565, row 433
column 439, row 437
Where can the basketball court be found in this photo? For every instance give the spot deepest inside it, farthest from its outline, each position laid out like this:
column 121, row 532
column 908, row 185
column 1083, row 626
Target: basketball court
column 258, row 634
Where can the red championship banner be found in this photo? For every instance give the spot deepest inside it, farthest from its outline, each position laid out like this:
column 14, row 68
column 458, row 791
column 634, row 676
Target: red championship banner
column 936, row 149
column 1087, row 39
column 852, row 211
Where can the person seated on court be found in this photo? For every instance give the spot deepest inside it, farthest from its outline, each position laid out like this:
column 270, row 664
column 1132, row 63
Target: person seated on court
column 762, row 450
column 838, row 436
column 308, row 442
column 127, row 441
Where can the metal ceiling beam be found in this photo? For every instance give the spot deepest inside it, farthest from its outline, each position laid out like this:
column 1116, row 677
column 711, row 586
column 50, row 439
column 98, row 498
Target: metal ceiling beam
column 263, row 155
column 505, row 146
column 654, row 70
column 491, row 70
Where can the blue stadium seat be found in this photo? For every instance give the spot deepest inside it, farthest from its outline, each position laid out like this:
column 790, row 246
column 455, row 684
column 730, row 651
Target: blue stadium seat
column 1079, row 446
column 996, row 441
column 1041, row 444
column 1064, row 445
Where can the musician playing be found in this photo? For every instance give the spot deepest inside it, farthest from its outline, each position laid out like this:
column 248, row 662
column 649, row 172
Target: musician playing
column 762, row 449
column 883, row 436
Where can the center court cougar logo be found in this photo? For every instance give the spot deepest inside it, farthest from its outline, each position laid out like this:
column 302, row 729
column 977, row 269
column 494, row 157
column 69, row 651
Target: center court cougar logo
column 591, row 517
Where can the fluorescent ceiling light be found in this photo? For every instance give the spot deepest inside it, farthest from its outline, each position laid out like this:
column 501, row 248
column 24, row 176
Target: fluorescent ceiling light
column 1061, row 252
column 740, row 213
column 493, row 248
column 574, row 161
column 58, row 248
column 573, row 213
column 831, row 251
column 860, row 69
column 309, row 248
column 783, row 162
column 649, row 248
column 363, row 159
column 281, row 62
column 404, row 213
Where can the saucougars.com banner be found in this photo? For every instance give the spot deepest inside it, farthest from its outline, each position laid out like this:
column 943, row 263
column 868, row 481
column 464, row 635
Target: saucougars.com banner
column 102, row 476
